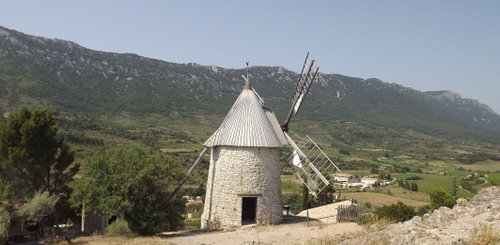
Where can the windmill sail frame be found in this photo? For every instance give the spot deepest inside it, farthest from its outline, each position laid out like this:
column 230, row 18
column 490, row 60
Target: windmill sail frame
column 301, row 89
column 315, row 169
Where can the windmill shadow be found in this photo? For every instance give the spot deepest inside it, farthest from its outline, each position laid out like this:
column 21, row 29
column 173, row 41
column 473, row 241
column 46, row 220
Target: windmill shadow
column 293, row 219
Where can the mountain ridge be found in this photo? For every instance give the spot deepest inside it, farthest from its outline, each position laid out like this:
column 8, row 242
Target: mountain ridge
column 69, row 77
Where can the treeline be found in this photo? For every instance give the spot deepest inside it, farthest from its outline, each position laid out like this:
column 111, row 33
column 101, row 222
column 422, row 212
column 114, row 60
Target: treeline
column 411, row 186
column 477, row 157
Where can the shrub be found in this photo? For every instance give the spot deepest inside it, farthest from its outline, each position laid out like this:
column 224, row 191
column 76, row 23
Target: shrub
column 4, row 222
column 368, row 205
column 484, row 234
column 40, row 206
column 367, row 218
column 293, row 201
column 423, row 210
column 345, row 151
column 396, row 212
column 118, row 228
column 441, row 198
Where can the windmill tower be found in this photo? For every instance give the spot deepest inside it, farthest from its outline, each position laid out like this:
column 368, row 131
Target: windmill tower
column 244, row 185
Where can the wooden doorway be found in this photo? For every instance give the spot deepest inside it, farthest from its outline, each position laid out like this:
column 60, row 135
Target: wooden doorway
column 248, row 210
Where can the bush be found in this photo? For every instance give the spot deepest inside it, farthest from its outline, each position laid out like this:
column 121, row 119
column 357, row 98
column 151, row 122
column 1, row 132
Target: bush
column 118, row 228
column 368, row 205
column 4, row 223
column 441, row 198
column 293, row 201
column 345, row 151
column 41, row 205
column 367, row 218
column 396, row 212
column 423, row 210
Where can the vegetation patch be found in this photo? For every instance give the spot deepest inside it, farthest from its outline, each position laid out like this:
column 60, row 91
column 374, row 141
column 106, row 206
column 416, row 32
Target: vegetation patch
column 484, row 234
column 380, row 199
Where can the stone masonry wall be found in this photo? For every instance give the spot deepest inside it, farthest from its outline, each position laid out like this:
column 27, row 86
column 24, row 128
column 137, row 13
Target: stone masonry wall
column 236, row 172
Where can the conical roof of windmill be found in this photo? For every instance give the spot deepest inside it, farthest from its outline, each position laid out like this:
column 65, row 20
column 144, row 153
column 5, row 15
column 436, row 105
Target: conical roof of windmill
column 248, row 124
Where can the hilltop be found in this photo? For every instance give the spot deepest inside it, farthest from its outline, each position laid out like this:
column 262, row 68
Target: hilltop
column 103, row 98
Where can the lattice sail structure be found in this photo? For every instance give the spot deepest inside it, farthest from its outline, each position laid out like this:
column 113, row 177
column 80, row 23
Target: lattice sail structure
column 311, row 164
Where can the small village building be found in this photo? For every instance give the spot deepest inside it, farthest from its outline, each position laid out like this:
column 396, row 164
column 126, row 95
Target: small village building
column 367, row 181
column 354, row 179
column 243, row 185
column 341, row 177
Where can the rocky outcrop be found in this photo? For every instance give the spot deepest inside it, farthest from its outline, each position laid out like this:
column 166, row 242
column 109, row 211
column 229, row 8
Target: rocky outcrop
column 444, row 225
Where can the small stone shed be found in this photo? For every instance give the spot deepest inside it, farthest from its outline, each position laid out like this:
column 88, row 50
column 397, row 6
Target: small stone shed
column 243, row 185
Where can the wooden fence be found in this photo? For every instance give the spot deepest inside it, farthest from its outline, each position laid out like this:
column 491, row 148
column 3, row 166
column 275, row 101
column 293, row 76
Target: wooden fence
column 347, row 213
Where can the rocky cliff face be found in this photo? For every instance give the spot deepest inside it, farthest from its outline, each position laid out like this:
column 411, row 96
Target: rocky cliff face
column 444, row 225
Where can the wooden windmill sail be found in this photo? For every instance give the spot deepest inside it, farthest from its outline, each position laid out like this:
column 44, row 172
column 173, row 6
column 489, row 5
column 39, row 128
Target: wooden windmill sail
column 309, row 162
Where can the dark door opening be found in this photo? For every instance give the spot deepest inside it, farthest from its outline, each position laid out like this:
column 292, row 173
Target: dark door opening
column 248, row 210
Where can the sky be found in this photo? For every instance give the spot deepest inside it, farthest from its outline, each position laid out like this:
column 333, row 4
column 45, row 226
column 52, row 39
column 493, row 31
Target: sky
column 425, row 44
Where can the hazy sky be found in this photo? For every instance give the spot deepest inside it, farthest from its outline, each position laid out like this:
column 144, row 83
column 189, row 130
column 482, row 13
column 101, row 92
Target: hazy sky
column 426, row 45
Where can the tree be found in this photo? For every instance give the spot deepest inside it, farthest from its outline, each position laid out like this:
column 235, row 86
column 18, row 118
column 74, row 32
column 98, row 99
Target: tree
column 133, row 185
column 399, row 212
column 441, row 198
column 32, row 156
column 414, row 186
column 324, row 197
column 305, row 197
column 454, row 190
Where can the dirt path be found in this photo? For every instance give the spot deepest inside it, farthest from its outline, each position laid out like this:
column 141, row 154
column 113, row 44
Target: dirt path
column 298, row 233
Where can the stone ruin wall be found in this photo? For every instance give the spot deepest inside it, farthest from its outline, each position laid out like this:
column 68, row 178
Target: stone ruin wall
column 236, row 172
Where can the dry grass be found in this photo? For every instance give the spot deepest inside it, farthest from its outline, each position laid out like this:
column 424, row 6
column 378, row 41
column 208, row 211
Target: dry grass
column 376, row 225
column 484, row 234
column 115, row 240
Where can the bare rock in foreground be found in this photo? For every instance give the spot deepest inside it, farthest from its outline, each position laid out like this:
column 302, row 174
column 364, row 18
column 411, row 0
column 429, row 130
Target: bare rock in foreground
column 444, row 225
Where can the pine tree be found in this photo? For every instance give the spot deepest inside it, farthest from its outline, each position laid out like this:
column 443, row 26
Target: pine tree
column 32, row 155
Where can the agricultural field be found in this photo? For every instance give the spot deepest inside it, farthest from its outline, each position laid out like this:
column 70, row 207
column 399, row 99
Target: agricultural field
column 430, row 182
column 380, row 199
column 488, row 165
column 494, row 178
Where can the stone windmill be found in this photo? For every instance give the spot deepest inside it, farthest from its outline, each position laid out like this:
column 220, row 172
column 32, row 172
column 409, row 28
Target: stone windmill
column 244, row 185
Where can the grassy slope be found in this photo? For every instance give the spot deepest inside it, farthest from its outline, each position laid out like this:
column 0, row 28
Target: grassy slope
column 495, row 177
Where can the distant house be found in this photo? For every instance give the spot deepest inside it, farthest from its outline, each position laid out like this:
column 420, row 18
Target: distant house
column 354, row 179
column 341, row 177
column 351, row 180
column 367, row 181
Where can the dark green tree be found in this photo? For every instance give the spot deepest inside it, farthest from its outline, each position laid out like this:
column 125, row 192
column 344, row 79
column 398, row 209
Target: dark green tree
column 134, row 185
column 396, row 212
column 441, row 198
column 324, row 197
column 454, row 190
column 305, row 198
column 32, row 155
column 414, row 186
